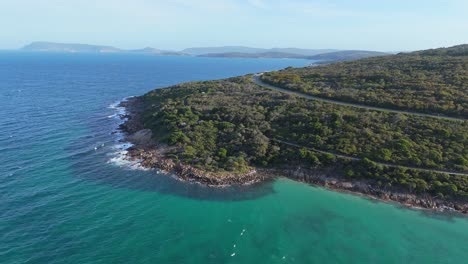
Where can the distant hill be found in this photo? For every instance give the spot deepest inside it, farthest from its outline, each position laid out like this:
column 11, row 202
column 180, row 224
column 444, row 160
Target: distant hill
column 225, row 49
column 343, row 55
column 254, row 55
column 237, row 51
column 86, row 48
column 459, row 50
column 63, row 47
column 149, row 50
column 305, row 52
column 346, row 55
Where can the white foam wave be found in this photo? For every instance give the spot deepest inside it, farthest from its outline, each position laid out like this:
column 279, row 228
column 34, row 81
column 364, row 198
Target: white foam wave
column 121, row 160
column 119, row 155
column 120, row 110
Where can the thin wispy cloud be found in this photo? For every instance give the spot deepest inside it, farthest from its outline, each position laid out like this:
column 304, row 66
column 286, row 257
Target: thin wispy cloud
column 258, row 3
column 209, row 5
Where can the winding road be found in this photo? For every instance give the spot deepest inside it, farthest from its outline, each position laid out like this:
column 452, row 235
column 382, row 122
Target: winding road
column 256, row 78
column 380, row 163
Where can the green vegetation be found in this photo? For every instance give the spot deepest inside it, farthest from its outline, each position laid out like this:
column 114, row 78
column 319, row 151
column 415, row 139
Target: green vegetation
column 431, row 81
column 234, row 124
column 345, row 55
column 342, row 55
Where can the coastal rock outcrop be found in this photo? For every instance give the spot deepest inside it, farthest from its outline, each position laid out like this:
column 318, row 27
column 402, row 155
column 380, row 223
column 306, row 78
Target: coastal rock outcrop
column 141, row 137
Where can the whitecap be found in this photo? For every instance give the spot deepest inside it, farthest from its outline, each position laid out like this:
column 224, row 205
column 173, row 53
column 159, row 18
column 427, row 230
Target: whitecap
column 119, row 155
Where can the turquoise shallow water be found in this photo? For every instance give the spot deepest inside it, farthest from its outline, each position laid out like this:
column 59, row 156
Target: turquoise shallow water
column 63, row 201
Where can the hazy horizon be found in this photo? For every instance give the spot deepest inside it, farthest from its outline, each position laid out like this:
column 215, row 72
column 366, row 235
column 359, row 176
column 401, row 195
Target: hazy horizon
column 361, row 25
column 180, row 49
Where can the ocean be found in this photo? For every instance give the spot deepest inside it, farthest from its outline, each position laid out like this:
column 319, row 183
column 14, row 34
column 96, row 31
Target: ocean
column 67, row 196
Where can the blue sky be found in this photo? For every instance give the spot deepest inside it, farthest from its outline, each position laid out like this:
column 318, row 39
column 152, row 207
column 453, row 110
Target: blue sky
column 387, row 25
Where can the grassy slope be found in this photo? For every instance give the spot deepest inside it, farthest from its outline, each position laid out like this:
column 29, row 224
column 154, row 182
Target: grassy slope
column 432, row 81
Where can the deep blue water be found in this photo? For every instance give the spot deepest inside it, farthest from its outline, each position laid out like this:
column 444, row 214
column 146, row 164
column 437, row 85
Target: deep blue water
column 64, row 198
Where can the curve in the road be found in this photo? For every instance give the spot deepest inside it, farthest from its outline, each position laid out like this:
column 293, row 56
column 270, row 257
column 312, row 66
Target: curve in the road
column 380, row 163
column 256, row 78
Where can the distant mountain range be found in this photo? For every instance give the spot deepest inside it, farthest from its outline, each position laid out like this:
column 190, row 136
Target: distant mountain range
column 270, row 54
column 236, row 50
column 85, row 48
column 225, row 52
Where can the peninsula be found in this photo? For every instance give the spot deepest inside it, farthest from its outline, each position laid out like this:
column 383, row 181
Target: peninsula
column 239, row 131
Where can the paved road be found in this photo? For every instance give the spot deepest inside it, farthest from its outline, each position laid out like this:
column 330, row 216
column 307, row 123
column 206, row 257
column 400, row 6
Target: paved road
column 380, row 163
column 257, row 80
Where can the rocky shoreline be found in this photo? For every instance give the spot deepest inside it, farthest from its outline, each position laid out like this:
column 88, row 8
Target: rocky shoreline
column 154, row 158
column 329, row 179
column 152, row 155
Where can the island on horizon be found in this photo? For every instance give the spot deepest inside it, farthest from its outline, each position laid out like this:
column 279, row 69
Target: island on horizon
column 305, row 124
